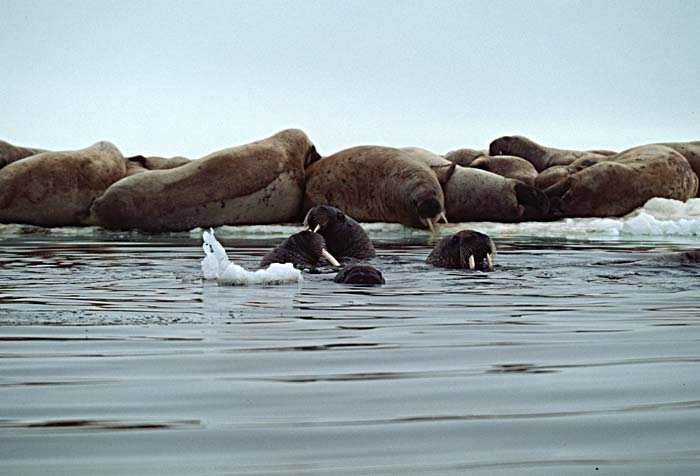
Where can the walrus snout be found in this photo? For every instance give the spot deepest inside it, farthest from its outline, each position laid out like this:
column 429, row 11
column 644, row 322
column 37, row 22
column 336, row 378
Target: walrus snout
column 311, row 156
column 359, row 274
column 535, row 202
column 465, row 249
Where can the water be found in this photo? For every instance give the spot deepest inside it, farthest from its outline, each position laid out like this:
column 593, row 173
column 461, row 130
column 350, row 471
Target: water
column 569, row 358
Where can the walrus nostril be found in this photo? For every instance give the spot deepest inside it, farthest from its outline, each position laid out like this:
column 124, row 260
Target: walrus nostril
column 429, row 208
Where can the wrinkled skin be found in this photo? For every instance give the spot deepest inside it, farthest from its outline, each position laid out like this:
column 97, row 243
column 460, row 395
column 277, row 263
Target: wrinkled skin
column 10, row 153
column 454, row 251
column 623, row 182
column 345, row 238
column 257, row 183
column 359, row 274
column 478, row 195
column 375, row 183
column 302, row 249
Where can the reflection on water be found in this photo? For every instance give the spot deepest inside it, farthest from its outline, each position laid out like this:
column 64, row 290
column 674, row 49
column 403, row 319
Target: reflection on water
column 569, row 358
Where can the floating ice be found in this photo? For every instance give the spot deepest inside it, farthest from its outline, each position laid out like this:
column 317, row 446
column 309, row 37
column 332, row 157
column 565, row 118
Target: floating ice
column 216, row 265
column 658, row 217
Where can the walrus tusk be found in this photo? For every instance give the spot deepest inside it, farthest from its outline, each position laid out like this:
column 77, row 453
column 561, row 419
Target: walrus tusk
column 318, row 227
column 329, row 257
column 430, row 224
column 444, row 218
column 472, row 264
column 489, row 260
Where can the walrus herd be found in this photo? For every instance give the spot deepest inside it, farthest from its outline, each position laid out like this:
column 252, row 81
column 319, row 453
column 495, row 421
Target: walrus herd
column 280, row 178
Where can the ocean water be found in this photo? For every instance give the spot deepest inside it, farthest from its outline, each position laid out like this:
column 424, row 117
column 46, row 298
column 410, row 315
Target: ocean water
column 579, row 354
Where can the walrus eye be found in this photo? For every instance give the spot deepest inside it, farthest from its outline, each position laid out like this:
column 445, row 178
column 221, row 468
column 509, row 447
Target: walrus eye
column 340, row 216
column 455, row 240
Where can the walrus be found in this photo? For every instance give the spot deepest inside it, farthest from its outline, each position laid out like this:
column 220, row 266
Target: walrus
column 624, row 182
column 57, row 188
column 689, row 150
column 138, row 163
column 548, row 177
column 465, row 156
column 304, row 250
column 375, row 183
column 477, row 195
column 256, row 183
column 359, row 274
column 508, row 166
column 465, row 249
column 538, row 155
column 10, row 153
column 345, row 238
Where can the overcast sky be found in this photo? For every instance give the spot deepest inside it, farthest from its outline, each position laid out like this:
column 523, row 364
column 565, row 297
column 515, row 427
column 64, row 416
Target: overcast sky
column 191, row 77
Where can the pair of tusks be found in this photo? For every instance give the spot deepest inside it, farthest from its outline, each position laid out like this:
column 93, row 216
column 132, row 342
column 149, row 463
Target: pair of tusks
column 324, row 252
column 431, row 224
column 489, row 262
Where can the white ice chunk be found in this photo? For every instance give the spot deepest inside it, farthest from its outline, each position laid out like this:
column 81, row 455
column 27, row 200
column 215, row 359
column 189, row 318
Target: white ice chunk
column 216, row 265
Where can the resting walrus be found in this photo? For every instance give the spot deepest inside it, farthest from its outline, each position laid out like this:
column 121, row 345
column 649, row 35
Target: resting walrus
column 256, row 183
column 538, row 155
column 465, row 249
column 10, row 153
column 138, row 163
column 477, row 195
column 624, row 182
column 374, row 183
column 57, row 188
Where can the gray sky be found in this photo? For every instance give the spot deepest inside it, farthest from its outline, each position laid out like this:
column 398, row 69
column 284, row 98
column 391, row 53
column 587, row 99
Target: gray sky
column 187, row 78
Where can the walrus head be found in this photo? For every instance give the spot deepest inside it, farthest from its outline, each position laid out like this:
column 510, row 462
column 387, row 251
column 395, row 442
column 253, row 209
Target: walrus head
column 345, row 238
column 465, row 249
column 304, row 250
column 311, row 156
column 359, row 274
column 534, row 202
column 428, row 208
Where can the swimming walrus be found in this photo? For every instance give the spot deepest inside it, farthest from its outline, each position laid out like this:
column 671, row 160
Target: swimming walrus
column 477, row 195
column 345, row 238
column 12, row 153
column 465, row 249
column 375, row 183
column 138, row 163
column 538, row 155
column 304, row 250
column 624, row 182
column 257, row 183
column 359, row 274
column 57, row 188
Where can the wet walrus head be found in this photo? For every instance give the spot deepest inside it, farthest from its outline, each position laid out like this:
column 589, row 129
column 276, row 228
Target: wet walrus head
column 359, row 274
column 465, row 249
column 345, row 238
column 304, row 250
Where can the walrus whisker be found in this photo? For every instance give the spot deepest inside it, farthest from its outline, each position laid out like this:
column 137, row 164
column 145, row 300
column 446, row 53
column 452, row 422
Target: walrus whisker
column 329, row 257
